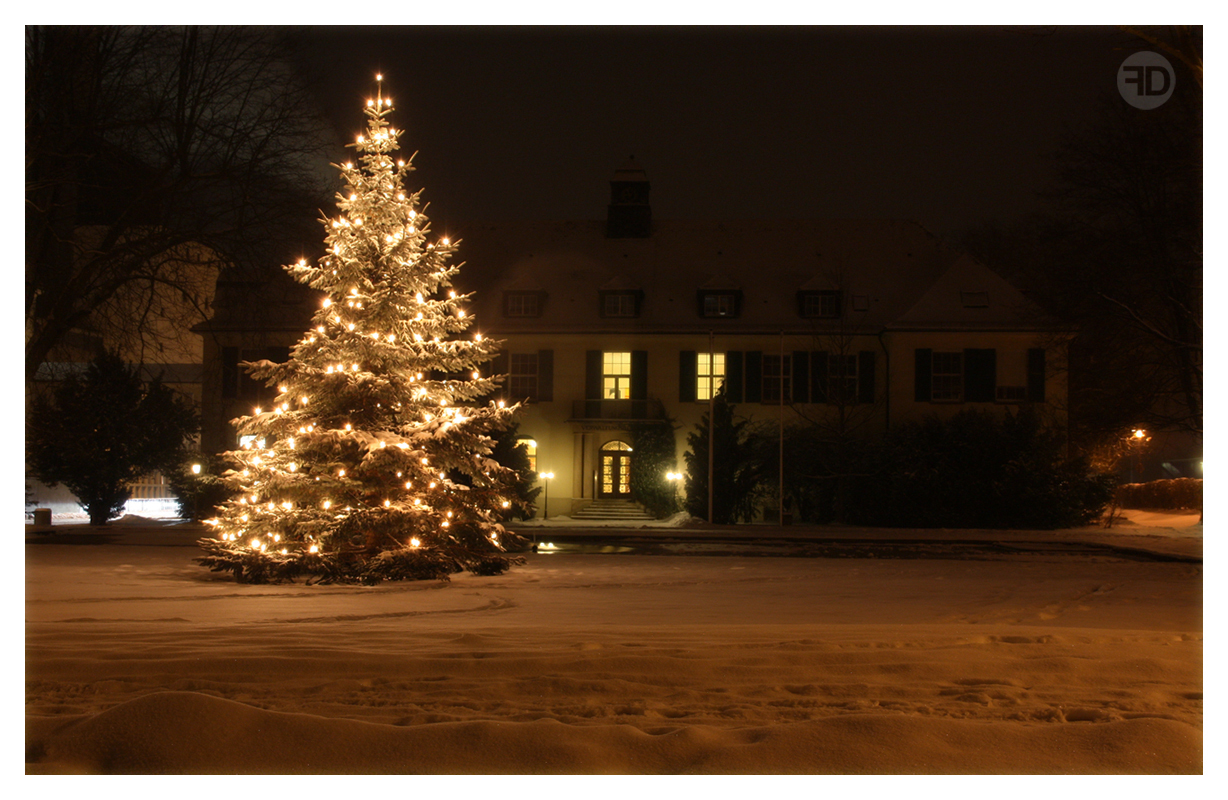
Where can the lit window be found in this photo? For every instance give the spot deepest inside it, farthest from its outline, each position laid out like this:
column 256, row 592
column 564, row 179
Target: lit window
column 947, row 377
column 530, row 448
column 710, row 374
column 616, row 376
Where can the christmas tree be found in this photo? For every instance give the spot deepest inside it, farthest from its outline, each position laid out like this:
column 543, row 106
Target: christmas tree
column 370, row 465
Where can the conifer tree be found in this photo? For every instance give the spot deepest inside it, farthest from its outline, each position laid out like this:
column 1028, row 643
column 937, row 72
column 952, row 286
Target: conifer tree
column 371, row 464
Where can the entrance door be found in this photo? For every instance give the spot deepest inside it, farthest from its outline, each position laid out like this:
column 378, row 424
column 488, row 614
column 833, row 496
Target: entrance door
column 615, row 470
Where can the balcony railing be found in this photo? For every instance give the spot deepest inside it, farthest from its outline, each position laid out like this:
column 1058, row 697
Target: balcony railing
column 618, row 409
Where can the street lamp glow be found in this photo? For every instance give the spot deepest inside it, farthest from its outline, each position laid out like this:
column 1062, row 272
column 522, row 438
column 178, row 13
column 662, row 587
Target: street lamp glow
column 546, row 476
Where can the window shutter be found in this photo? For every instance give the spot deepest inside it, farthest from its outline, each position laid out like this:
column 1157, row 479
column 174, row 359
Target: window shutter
column 733, row 376
column 924, row 367
column 818, row 376
column 592, row 375
column 230, row 372
column 980, row 375
column 592, row 383
column 865, row 376
column 801, row 376
column 688, row 375
column 545, row 376
column 1036, row 375
column 639, row 374
column 754, row 376
column 500, row 365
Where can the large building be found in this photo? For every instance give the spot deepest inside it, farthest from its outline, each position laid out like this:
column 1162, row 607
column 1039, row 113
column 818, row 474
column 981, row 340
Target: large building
column 609, row 325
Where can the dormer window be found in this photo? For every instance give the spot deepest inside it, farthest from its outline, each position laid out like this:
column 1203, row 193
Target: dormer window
column 819, row 304
column 523, row 304
column 723, row 303
column 625, row 304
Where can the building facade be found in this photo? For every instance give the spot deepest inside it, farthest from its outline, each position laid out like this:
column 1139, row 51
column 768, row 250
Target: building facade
column 612, row 325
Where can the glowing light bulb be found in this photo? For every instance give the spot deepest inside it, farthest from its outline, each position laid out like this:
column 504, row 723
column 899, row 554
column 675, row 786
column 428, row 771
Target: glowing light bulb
column 327, row 302
column 414, row 542
column 387, row 503
column 327, row 504
column 313, row 549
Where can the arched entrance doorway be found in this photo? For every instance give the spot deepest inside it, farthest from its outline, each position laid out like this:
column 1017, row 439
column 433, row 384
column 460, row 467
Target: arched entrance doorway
column 615, row 470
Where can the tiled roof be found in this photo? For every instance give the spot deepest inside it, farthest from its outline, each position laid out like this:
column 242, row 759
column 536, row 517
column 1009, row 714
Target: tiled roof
column 900, row 273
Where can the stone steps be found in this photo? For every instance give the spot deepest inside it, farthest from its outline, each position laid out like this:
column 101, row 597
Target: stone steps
column 619, row 510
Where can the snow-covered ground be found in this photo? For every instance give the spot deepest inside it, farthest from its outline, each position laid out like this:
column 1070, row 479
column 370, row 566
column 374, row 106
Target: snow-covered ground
column 1063, row 660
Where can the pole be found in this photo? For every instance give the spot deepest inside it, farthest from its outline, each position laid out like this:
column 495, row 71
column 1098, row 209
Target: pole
column 782, row 429
column 711, row 423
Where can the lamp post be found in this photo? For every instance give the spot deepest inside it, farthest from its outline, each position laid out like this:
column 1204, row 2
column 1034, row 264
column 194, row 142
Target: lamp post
column 673, row 478
column 1138, row 438
column 546, row 476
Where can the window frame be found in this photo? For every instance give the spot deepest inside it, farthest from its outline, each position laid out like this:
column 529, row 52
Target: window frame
column 843, row 386
column 820, row 304
column 628, row 304
column 523, row 377
column 935, row 374
column 728, row 303
column 704, row 393
column 511, row 298
column 621, row 379
column 770, row 377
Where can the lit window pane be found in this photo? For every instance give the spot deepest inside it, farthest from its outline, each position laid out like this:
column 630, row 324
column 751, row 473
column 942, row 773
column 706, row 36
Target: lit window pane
column 709, row 374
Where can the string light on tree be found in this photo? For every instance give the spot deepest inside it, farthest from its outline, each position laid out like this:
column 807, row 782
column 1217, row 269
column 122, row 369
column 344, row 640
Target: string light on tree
column 356, row 475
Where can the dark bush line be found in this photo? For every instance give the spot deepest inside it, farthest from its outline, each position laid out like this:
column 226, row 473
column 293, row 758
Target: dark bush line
column 1172, row 493
column 974, row 470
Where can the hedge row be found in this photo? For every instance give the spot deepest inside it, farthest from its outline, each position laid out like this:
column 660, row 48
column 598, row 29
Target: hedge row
column 1172, row 493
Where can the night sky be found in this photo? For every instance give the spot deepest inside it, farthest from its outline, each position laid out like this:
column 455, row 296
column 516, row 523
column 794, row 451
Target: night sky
column 946, row 126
